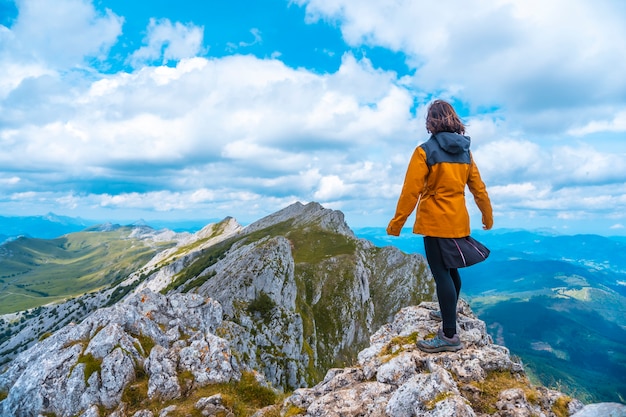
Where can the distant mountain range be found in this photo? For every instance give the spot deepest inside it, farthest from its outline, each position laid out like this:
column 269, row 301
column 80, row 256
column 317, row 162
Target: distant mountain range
column 50, row 226
column 45, row 227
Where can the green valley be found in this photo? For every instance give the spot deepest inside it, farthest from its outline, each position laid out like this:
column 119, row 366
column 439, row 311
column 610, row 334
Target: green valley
column 34, row 272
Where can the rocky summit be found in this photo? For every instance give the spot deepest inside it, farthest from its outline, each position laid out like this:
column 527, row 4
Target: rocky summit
column 290, row 316
column 394, row 378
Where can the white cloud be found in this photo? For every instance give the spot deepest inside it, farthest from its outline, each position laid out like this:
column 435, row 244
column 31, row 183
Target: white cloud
column 167, row 42
column 331, row 187
column 240, row 134
column 584, row 165
column 509, row 160
column 257, row 38
column 43, row 41
column 530, row 57
column 250, row 122
column 10, row 180
column 46, row 32
column 617, row 123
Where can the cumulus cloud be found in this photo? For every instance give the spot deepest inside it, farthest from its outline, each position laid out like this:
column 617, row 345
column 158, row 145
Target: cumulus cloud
column 537, row 83
column 42, row 40
column 245, row 125
column 46, row 32
column 615, row 124
column 167, row 42
column 531, row 57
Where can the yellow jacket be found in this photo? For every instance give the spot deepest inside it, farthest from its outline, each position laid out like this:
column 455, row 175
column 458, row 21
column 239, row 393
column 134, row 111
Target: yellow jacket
column 435, row 182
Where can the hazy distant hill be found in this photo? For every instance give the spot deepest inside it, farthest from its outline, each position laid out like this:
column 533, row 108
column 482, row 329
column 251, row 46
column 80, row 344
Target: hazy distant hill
column 557, row 301
column 50, row 226
column 45, row 227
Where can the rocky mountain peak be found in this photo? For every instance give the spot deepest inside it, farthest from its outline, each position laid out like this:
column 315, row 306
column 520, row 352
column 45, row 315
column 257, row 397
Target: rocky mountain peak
column 302, row 215
column 227, row 226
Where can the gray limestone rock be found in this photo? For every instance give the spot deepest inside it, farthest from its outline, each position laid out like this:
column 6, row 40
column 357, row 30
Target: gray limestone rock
column 91, row 363
column 163, row 380
column 394, row 378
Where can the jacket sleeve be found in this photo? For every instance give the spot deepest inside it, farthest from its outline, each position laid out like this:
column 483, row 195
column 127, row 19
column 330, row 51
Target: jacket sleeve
column 481, row 197
column 411, row 191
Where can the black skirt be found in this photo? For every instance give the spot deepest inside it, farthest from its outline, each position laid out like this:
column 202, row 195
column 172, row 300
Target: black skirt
column 462, row 252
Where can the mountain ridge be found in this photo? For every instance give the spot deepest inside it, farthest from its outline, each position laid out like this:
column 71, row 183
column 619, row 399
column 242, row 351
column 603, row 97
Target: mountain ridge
column 295, row 289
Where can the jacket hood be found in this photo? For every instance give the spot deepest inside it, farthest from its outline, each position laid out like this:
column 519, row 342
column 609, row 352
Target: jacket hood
column 453, row 142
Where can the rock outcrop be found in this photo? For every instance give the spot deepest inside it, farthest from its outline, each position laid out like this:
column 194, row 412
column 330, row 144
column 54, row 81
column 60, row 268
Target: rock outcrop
column 299, row 291
column 134, row 245
column 146, row 356
column 394, row 378
column 150, row 338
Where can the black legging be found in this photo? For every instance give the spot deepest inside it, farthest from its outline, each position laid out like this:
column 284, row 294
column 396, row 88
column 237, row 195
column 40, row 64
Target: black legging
column 448, row 283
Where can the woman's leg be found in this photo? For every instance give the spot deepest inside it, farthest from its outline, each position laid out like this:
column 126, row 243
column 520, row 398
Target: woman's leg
column 456, row 278
column 447, row 284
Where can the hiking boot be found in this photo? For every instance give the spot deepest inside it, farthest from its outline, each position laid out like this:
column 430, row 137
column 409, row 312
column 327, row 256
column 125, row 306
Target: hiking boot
column 435, row 315
column 440, row 343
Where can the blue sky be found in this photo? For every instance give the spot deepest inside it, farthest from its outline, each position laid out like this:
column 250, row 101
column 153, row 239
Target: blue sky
column 118, row 110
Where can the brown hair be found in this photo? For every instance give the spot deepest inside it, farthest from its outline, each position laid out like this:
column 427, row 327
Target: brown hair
column 442, row 118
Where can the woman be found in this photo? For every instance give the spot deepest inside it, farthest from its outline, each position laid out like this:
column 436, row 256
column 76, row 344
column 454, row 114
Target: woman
column 435, row 182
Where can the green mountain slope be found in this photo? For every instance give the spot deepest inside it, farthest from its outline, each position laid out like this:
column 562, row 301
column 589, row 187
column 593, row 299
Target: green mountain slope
column 34, row 272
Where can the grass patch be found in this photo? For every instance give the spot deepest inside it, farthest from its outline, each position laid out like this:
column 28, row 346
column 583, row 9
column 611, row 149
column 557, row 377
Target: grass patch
column 430, row 405
column 251, row 392
column 121, row 291
column 293, row 411
column 92, row 364
column 208, row 257
column 135, row 394
column 262, row 305
column 396, row 344
column 45, row 336
column 560, row 406
column 145, row 342
column 315, row 245
column 185, row 380
column 496, row 382
column 197, row 282
column 243, row 398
